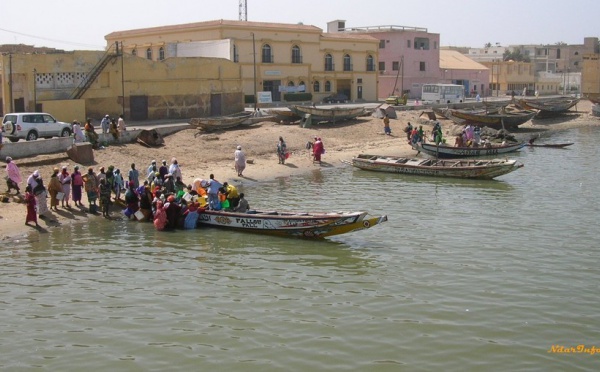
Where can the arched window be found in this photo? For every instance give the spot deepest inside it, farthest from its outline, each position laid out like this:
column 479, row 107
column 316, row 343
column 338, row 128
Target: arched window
column 328, row 86
column 316, row 87
column 301, row 84
column 296, row 57
column 328, row 62
column 370, row 63
column 149, row 53
column 134, row 52
column 161, row 53
column 290, row 83
column 267, row 56
column 347, row 63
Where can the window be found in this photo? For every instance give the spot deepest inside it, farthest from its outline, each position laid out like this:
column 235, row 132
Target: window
column 290, row 83
column 347, row 63
column 316, row 87
column 435, row 44
column 557, row 53
column 395, row 66
column 149, row 53
column 134, row 52
column 301, row 84
column 236, row 57
column 329, row 62
column 267, row 57
column 296, row 57
column 161, row 53
column 328, row 86
column 421, row 66
column 381, row 44
column 370, row 63
column 359, row 81
column 382, row 66
column 421, row 43
column 408, row 44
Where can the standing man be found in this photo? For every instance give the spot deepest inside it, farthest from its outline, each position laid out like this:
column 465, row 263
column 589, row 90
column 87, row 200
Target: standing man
column 386, row 125
column 213, row 193
column 105, row 123
column 121, row 124
column 239, row 160
column 134, row 176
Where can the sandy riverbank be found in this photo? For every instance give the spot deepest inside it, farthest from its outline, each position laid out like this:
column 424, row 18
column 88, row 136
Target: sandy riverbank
column 213, row 153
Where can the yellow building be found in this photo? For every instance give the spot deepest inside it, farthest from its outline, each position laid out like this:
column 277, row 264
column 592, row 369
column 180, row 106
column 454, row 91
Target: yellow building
column 590, row 76
column 509, row 76
column 273, row 57
column 81, row 84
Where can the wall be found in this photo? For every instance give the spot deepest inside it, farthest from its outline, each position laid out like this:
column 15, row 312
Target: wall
column 65, row 110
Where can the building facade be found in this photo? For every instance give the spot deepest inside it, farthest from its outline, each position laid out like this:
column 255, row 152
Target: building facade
column 175, row 88
column 456, row 68
column 272, row 57
column 408, row 56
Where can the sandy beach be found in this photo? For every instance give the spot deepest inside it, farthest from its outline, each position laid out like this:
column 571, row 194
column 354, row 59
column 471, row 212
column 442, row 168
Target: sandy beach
column 199, row 156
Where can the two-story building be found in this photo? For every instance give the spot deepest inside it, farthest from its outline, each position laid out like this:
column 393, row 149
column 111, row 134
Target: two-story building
column 272, row 57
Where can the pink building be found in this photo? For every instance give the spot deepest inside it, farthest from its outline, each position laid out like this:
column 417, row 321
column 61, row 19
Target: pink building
column 408, row 57
column 457, row 68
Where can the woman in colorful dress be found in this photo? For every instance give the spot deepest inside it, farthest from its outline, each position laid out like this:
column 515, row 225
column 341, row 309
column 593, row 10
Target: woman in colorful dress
column 65, row 179
column 77, row 182
column 31, row 207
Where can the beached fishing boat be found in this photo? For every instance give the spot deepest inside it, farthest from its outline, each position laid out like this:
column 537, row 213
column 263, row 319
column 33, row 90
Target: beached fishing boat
column 549, row 106
column 459, row 152
column 220, row 122
column 283, row 115
column 150, row 138
column 498, row 120
column 456, row 168
column 304, row 225
column 329, row 114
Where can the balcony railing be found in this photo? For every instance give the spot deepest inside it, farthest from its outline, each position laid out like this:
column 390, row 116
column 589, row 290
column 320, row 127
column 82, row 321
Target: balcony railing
column 329, row 66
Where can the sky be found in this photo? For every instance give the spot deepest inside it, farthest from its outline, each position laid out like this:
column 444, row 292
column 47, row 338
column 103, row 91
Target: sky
column 81, row 24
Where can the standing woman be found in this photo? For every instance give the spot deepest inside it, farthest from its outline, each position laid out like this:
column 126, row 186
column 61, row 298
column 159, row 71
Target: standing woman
column 13, row 178
column 281, row 150
column 54, row 187
column 318, row 149
column 39, row 190
column 65, row 179
column 240, row 161
column 31, row 206
column 77, row 186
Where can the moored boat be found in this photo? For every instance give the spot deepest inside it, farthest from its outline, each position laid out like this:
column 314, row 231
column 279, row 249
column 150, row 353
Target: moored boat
column 458, row 152
column 456, row 168
column 498, row 120
column 329, row 114
column 220, row 122
column 549, row 106
column 314, row 225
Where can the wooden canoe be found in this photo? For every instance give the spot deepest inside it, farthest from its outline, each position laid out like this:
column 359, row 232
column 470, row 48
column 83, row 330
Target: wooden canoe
column 219, row 122
column 329, row 114
column 459, row 152
column 315, row 225
column 499, row 120
column 455, row 168
column 551, row 145
column 549, row 106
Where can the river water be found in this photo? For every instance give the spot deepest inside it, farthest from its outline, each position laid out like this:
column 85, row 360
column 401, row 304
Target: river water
column 465, row 275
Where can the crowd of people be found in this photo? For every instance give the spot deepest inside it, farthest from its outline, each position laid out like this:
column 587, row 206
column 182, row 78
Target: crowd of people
column 157, row 194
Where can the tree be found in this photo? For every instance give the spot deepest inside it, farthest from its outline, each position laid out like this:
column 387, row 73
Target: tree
column 515, row 55
column 488, row 45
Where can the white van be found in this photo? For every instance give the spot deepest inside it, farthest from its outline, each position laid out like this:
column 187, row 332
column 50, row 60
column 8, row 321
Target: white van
column 33, row 125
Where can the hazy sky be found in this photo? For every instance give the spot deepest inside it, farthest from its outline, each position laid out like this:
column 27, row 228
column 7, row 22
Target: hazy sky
column 82, row 24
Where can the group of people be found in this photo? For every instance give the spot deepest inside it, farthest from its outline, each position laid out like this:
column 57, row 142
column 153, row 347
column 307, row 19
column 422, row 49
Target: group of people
column 159, row 195
column 470, row 136
column 108, row 125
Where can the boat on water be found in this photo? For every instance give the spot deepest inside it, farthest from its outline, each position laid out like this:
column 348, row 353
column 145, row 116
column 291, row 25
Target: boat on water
column 315, row 225
column 549, row 106
column 328, row 114
column 551, row 145
column 455, row 168
column 215, row 123
column 441, row 151
column 498, row 120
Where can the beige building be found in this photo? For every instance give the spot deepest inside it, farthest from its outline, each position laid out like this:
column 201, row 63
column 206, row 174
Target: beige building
column 81, row 84
column 590, row 76
column 509, row 76
column 274, row 58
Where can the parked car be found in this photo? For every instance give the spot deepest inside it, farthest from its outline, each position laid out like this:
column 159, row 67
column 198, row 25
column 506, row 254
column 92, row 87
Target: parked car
column 336, row 98
column 396, row 100
column 33, row 125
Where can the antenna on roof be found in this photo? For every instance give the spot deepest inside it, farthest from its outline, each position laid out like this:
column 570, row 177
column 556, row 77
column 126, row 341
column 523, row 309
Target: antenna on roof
column 243, row 10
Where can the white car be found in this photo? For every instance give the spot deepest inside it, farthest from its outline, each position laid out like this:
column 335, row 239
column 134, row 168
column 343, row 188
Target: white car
column 33, row 125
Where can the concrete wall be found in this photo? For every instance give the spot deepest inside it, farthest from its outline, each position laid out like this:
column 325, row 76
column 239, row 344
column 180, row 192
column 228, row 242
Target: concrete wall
column 65, row 110
column 24, row 149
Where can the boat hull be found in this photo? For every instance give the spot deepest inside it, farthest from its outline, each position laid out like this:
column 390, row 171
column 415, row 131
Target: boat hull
column 459, row 152
column 455, row 168
column 300, row 225
column 495, row 121
column 549, row 106
column 329, row 114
